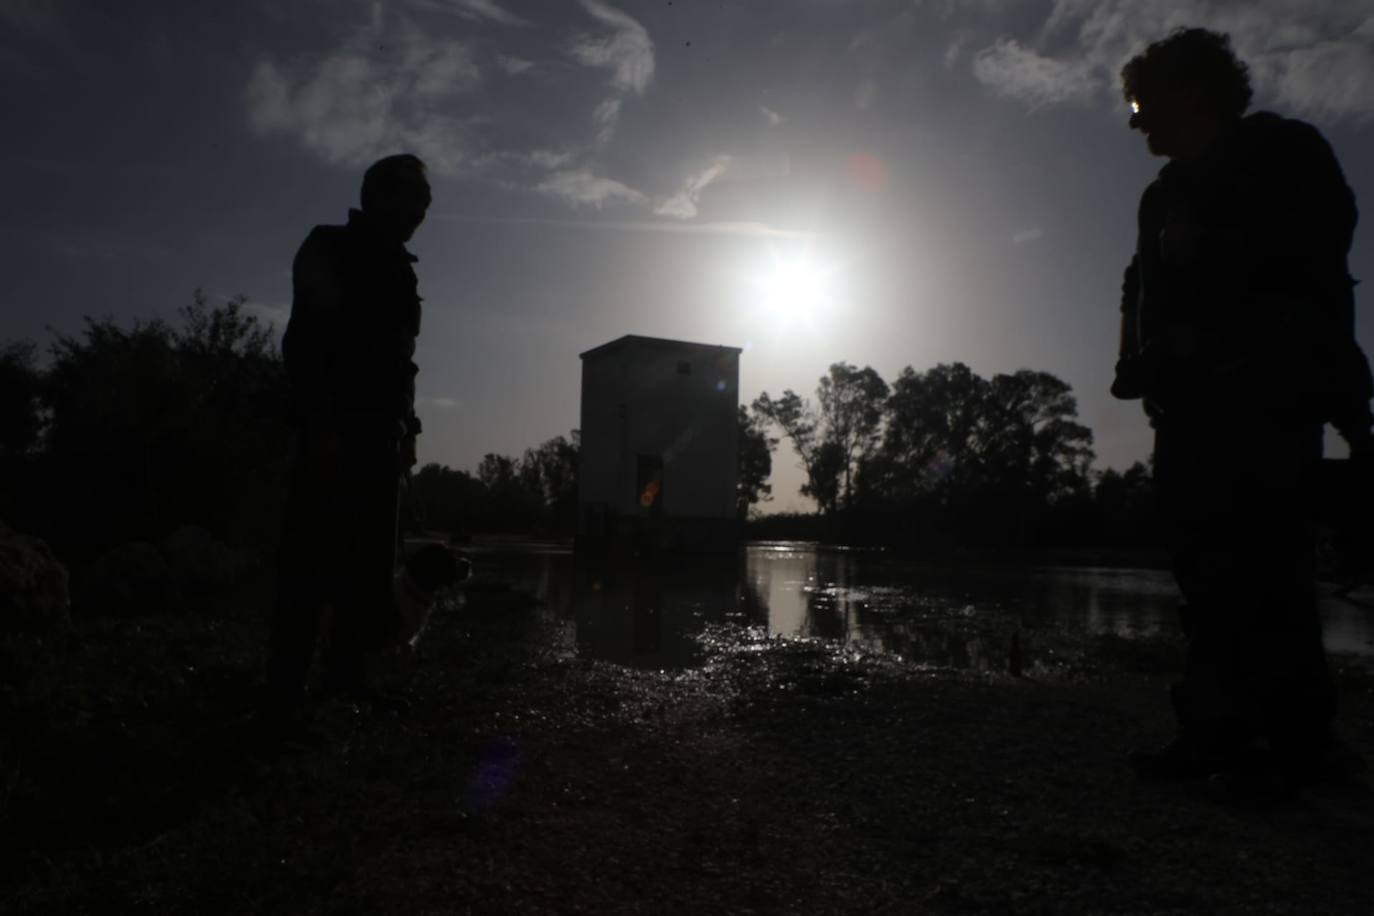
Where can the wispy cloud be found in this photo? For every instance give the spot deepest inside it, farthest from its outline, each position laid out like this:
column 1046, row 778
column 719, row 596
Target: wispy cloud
column 488, row 10
column 549, row 159
column 443, row 403
column 627, row 51
column 606, row 116
column 683, row 204
column 270, row 314
column 1024, row 236
column 740, row 229
column 513, row 66
column 1312, row 57
column 388, row 88
column 579, row 187
column 1020, row 73
column 774, row 119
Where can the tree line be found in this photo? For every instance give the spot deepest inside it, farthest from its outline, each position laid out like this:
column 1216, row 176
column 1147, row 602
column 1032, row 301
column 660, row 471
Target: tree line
column 946, row 456
column 536, row 493
column 127, row 432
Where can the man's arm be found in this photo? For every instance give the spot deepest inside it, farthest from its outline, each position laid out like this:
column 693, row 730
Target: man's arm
column 1129, row 383
column 317, row 300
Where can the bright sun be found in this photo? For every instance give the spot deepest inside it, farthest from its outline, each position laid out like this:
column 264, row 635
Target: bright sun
column 795, row 289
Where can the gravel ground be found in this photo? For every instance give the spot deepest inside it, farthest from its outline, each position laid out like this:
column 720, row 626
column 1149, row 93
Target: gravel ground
column 498, row 775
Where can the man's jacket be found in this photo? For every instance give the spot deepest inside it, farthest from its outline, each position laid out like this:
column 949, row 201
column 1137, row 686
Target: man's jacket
column 350, row 343
column 1239, row 301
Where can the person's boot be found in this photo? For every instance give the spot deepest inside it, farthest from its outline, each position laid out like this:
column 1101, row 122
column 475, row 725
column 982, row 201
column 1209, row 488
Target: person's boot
column 1207, row 741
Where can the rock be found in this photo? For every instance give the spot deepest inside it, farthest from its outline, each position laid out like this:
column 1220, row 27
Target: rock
column 34, row 588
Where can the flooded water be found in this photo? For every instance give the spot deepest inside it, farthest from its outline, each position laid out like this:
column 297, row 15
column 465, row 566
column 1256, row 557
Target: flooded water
column 656, row 615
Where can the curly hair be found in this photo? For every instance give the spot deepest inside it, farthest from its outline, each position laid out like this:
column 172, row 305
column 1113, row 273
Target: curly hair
column 1196, row 60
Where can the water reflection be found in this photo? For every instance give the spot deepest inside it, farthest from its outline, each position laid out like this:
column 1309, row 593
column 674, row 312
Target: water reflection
column 651, row 614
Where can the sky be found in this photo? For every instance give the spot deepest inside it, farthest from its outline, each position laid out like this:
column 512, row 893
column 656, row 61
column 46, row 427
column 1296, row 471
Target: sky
column 887, row 183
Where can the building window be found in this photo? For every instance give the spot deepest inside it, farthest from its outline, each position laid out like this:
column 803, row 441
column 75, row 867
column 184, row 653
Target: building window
column 684, row 368
column 649, row 483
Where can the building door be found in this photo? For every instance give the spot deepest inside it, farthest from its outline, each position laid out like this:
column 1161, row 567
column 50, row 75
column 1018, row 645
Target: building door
column 649, row 484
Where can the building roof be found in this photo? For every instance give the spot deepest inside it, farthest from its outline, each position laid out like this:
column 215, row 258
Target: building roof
column 658, row 343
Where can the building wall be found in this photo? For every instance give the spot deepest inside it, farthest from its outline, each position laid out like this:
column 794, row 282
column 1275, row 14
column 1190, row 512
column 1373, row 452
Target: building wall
column 636, row 400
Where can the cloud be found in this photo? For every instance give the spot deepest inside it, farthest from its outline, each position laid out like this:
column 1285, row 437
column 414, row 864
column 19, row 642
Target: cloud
column 606, row 116
column 741, row 229
column 579, row 187
column 1311, row 57
column 513, row 66
column 548, row 159
column 443, row 403
column 683, row 204
column 774, row 119
column 270, row 313
column 955, row 50
column 1024, row 236
column 627, row 51
column 489, row 10
column 1019, row 73
column 387, row 89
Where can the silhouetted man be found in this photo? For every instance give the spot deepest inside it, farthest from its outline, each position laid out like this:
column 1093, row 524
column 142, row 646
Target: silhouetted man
column 348, row 349
column 1238, row 333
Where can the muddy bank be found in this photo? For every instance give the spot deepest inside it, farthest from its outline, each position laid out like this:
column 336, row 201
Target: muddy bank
column 498, row 773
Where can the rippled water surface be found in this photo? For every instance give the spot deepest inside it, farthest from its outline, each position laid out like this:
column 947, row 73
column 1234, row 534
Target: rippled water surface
column 653, row 615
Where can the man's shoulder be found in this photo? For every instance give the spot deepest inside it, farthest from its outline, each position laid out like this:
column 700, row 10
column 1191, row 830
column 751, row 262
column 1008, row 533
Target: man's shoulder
column 1157, row 187
column 324, row 245
column 1284, row 136
column 325, row 237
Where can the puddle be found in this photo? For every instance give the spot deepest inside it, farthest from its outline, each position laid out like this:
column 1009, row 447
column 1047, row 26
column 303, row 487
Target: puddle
column 657, row 615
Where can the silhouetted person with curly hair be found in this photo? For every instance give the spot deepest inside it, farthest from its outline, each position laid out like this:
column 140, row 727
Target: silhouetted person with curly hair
column 1238, row 334
column 349, row 349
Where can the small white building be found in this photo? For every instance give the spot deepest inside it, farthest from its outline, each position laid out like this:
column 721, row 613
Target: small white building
column 660, row 441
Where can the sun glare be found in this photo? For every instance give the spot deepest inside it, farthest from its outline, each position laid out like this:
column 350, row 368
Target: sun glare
column 795, row 289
